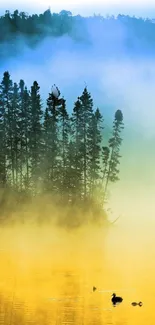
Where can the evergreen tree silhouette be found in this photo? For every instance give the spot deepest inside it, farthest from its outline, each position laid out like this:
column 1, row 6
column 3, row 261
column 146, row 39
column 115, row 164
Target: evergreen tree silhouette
column 86, row 118
column 14, row 117
column 114, row 145
column 62, row 153
column 64, row 135
column 7, row 96
column 94, row 159
column 5, row 86
column 76, row 150
column 25, row 128
column 51, row 140
column 35, row 141
column 105, row 160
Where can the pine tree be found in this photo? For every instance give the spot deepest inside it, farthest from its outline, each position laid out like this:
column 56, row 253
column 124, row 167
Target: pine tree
column 86, row 116
column 51, row 141
column 72, row 191
column 22, row 133
column 24, row 127
column 75, row 150
column 105, row 160
column 35, row 144
column 14, row 112
column 94, row 158
column 7, row 146
column 4, row 88
column 64, row 134
column 46, row 150
column 114, row 145
column 3, row 172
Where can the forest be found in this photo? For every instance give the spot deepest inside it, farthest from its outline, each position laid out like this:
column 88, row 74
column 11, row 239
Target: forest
column 46, row 150
column 137, row 33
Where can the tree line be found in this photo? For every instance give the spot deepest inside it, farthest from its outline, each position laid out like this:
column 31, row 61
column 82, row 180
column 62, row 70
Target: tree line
column 138, row 32
column 48, row 150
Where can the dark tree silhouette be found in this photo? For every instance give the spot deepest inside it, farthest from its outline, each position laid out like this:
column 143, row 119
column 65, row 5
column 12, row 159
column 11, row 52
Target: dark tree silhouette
column 64, row 134
column 114, row 145
column 75, row 149
column 7, row 116
column 14, row 125
column 35, row 140
column 94, row 163
column 3, row 129
column 54, row 152
column 51, row 140
column 86, row 120
column 25, row 133
column 105, row 159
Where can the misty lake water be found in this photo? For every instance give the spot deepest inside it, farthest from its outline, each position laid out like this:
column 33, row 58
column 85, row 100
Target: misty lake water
column 50, row 281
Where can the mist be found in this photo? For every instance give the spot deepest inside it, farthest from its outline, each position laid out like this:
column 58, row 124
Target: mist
column 48, row 273
column 116, row 79
column 49, row 269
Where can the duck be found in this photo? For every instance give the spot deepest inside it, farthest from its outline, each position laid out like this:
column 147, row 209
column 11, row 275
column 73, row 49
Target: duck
column 140, row 304
column 115, row 299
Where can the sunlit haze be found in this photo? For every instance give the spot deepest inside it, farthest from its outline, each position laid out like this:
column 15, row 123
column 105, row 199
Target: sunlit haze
column 51, row 255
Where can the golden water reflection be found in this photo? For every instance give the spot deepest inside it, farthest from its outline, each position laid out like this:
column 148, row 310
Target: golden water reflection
column 33, row 292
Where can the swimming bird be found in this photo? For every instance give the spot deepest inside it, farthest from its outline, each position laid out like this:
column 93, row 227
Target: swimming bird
column 140, row 304
column 94, row 288
column 115, row 299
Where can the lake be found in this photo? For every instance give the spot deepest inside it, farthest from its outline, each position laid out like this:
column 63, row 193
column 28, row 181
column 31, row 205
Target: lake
column 47, row 276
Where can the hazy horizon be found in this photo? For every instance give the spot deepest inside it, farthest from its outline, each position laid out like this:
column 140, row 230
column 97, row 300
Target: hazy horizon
column 85, row 9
